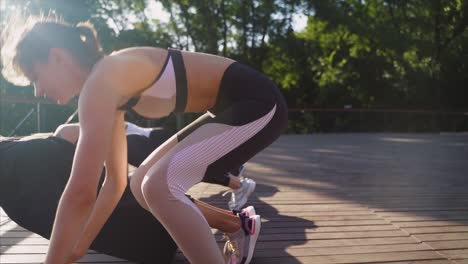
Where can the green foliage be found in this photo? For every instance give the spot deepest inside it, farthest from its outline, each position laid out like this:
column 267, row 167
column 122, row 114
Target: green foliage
column 368, row 54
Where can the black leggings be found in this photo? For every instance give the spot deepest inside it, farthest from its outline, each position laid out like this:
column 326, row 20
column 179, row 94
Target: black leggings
column 249, row 115
column 245, row 96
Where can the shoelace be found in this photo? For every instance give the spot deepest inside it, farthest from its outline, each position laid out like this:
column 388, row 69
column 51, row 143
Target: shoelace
column 226, row 192
column 234, row 193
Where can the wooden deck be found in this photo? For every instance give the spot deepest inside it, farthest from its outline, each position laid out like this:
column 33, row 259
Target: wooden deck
column 339, row 198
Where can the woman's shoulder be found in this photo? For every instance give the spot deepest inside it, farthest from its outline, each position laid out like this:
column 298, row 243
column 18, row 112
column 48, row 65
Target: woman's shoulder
column 127, row 70
column 131, row 59
column 138, row 50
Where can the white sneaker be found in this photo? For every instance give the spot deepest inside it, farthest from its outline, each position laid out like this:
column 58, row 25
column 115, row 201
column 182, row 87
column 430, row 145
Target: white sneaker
column 248, row 211
column 254, row 233
column 239, row 196
column 240, row 246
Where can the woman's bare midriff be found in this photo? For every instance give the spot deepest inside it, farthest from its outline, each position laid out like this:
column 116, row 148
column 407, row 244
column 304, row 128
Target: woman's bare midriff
column 204, row 73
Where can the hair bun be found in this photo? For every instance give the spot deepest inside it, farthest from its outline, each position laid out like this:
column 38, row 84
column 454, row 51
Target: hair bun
column 88, row 35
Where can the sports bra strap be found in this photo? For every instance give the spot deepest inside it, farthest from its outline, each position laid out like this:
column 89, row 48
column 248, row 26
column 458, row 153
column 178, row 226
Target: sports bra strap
column 181, row 79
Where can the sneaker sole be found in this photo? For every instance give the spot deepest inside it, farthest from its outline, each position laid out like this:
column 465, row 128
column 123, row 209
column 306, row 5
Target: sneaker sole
column 253, row 238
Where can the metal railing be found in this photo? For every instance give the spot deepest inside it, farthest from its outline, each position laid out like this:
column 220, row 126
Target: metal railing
column 37, row 107
column 310, row 120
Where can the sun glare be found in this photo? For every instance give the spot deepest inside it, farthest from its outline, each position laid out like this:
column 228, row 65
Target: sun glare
column 6, row 6
column 155, row 10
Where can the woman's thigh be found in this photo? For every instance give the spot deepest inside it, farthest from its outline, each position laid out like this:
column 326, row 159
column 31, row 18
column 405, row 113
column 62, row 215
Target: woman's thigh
column 214, row 144
column 171, row 145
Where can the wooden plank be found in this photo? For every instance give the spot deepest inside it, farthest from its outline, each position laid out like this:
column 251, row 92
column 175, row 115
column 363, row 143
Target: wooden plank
column 439, row 261
column 439, row 213
column 440, row 237
column 310, row 208
column 355, row 258
column 327, row 217
column 290, row 201
column 299, row 201
column 455, row 253
column 404, row 208
column 328, row 223
column 325, row 213
column 17, row 233
column 36, row 249
column 415, row 204
column 439, row 229
column 277, row 230
column 402, row 199
column 25, row 241
column 424, row 216
column 430, row 223
column 327, row 260
column 299, row 252
column 337, row 242
column 455, row 244
column 462, row 218
column 317, row 236
column 406, row 196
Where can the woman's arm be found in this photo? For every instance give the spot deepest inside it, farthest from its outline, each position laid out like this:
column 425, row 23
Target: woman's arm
column 101, row 127
column 111, row 190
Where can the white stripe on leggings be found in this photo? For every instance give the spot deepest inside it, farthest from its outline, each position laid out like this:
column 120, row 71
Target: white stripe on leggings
column 188, row 166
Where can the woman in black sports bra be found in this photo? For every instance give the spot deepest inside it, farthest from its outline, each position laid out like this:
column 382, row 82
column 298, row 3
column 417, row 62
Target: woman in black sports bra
column 244, row 113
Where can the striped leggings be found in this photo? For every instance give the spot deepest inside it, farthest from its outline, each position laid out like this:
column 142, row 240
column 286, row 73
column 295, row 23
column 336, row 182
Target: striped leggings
column 222, row 139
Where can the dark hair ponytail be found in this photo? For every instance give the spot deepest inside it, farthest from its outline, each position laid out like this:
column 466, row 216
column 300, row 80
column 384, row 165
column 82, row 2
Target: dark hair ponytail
column 88, row 36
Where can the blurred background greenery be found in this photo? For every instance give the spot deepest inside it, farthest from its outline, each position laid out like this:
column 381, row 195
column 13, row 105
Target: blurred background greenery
column 343, row 65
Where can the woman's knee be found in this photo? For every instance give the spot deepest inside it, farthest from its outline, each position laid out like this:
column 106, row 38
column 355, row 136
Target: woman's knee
column 157, row 187
column 152, row 188
column 135, row 187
